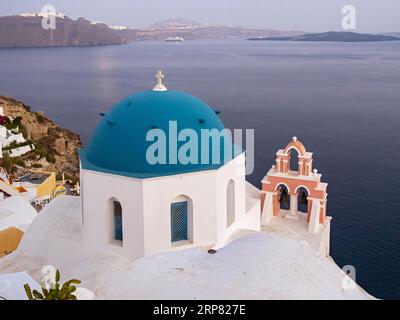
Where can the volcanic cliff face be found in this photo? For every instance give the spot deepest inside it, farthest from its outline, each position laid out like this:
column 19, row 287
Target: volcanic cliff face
column 27, row 31
column 56, row 149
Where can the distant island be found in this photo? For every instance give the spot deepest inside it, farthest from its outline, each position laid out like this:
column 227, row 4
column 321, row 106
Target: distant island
column 341, row 36
column 393, row 34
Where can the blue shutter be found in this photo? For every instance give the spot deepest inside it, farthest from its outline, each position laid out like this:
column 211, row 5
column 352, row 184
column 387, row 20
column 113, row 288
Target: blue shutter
column 118, row 235
column 179, row 221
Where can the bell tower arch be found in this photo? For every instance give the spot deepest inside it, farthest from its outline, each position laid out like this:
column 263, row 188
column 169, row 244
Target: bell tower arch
column 305, row 178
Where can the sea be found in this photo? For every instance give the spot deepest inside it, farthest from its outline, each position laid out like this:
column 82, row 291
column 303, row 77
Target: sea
column 342, row 100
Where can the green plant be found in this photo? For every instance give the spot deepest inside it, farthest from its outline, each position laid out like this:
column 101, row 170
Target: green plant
column 14, row 144
column 14, row 124
column 74, row 180
column 7, row 163
column 19, row 162
column 23, row 130
column 54, row 293
column 44, row 151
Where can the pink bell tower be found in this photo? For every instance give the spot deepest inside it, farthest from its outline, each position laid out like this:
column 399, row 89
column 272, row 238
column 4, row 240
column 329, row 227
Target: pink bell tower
column 281, row 184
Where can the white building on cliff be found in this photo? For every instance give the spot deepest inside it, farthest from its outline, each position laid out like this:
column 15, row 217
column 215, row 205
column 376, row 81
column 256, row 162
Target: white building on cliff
column 8, row 137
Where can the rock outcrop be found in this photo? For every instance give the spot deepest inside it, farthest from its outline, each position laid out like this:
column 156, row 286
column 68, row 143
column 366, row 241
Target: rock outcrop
column 56, row 149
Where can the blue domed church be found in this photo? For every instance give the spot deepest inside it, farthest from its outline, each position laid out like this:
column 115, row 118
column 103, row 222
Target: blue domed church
column 160, row 173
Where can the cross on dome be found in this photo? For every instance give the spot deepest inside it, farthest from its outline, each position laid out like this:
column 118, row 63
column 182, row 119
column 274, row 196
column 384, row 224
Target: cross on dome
column 159, row 85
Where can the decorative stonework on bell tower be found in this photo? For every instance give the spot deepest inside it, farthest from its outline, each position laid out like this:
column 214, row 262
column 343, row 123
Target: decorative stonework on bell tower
column 294, row 194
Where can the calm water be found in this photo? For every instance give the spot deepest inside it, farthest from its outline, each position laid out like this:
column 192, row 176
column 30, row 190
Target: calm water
column 342, row 100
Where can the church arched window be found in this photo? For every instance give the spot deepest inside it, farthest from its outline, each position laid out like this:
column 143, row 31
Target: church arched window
column 294, row 160
column 181, row 220
column 230, row 203
column 117, row 215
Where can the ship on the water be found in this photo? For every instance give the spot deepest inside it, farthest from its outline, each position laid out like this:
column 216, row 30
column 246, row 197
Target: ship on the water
column 174, row 39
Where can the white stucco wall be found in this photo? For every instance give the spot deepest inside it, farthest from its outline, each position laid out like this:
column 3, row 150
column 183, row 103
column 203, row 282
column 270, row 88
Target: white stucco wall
column 15, row 211
column 325, row 244
column 160, row 193
column 3, row 131
column 234, row 170
column 97, row 192
column 146, row 209
column 19, row 151
column 7, row 137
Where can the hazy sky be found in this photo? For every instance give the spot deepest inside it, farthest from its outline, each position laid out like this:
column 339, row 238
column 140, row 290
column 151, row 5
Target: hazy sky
column 307, row 15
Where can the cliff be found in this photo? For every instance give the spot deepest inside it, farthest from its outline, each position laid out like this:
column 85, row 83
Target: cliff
column 55, row 148
column 27, row 31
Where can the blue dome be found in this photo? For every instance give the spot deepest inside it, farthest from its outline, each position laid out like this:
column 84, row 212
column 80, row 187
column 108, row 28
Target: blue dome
column 119, row 143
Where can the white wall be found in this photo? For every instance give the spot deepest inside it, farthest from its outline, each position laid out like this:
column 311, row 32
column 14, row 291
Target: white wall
column 97, row 190
column 160, row 193
column 18, row 138
column 15, row 211
column 208, row 192
column 146, row 209
column 8, row 137
column 19, row 151
column 234, row 170
column 324, row 247
column 3, row 131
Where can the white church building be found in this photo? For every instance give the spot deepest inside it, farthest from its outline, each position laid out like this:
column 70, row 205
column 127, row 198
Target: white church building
column 134, row 208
